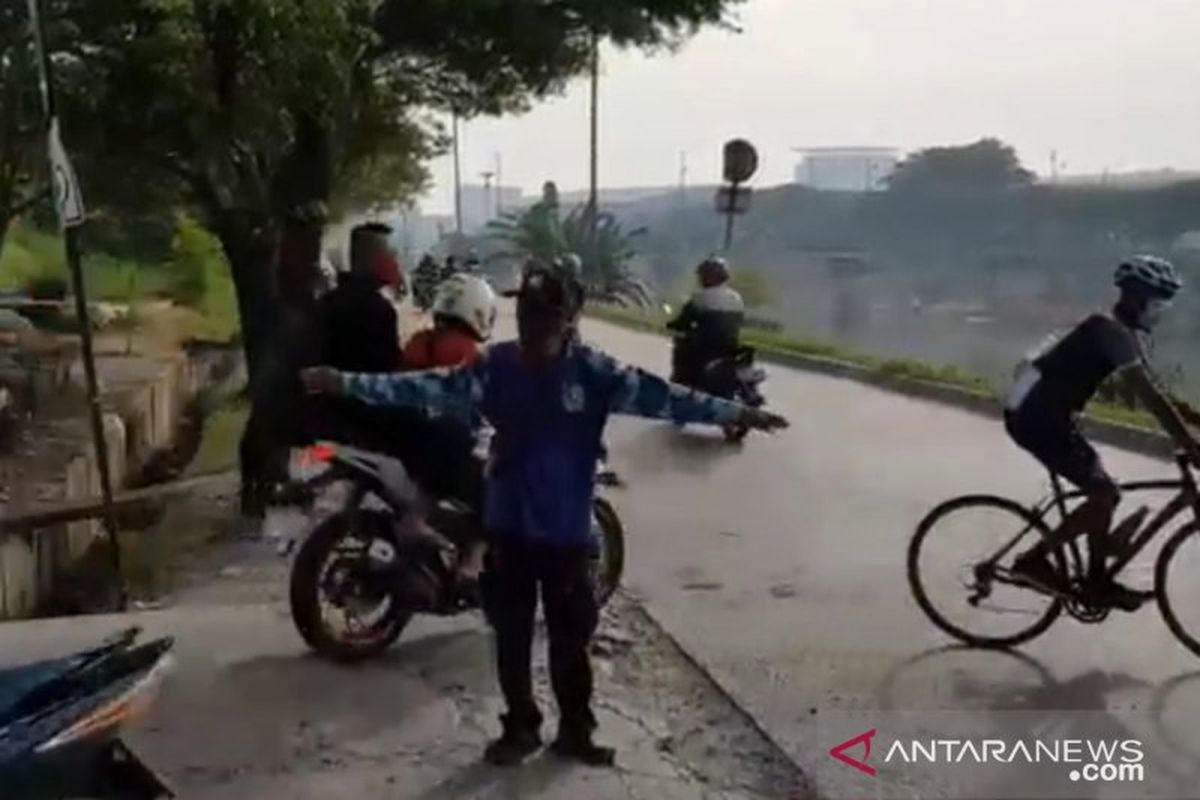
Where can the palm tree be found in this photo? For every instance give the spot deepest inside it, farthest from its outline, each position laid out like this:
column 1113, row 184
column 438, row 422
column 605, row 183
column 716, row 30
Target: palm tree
column 540, row 232
column 607, row 274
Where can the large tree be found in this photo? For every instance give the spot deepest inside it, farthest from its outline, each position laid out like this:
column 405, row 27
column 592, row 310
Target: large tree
column 246, row 108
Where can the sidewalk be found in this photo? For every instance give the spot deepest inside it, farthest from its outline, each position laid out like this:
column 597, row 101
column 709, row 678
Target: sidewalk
column 249, row 713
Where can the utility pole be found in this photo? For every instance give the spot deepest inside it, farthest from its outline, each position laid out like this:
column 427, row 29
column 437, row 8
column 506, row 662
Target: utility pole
column 594, row 190
column 683, row 175
column 487, row 194
column 69, row 204
column 499, row 185
column 458, row 220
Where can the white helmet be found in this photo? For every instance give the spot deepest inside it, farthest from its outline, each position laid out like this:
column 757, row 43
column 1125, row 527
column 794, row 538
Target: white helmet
column 468, row 299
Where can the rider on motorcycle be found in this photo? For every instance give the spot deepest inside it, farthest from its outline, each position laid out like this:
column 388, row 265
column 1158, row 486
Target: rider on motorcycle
column 1053, row 385
column 464, row 313
column 709, row 325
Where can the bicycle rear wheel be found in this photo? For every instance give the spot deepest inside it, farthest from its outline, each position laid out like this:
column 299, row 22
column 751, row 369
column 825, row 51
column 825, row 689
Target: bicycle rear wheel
column 990, row 610
column 1176, row 588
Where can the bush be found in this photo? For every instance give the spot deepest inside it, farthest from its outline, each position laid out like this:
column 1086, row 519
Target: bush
column 195, row 258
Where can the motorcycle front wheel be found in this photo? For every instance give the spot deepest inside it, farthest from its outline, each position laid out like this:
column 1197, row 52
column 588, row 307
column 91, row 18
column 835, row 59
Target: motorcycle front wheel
column 331, row 575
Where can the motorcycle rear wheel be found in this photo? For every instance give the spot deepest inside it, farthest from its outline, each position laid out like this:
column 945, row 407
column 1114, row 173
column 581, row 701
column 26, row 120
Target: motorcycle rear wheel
column 305, row 590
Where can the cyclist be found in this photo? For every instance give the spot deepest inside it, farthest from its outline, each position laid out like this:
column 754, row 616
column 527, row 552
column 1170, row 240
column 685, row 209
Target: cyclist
column 1054, row 383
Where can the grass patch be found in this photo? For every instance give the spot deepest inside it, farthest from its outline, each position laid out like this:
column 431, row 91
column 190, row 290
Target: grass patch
column 196, row 275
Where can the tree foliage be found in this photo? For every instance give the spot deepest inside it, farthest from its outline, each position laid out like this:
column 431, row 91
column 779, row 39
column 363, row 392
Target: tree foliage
column 244, row 109
column 985, row 165
column 21, row 153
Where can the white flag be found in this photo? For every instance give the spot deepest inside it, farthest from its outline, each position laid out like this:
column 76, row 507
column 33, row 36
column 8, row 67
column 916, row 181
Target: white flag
column 67, row 198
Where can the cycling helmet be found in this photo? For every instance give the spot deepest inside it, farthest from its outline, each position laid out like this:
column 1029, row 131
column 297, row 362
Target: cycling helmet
column 1148, row 275
column 713, row 271
column 468, row 299
column 572, row 263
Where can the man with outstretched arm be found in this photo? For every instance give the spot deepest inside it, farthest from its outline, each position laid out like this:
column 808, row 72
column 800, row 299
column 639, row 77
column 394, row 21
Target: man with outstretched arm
column 548, row 398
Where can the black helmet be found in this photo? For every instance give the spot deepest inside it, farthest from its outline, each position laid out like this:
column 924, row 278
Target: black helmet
column 1148, row 275
column 550, row 286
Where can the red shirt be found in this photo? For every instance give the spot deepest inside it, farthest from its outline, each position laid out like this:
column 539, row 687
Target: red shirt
column 439, row 347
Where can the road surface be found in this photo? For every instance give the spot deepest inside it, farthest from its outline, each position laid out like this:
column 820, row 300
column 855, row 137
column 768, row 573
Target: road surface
column 780, row 565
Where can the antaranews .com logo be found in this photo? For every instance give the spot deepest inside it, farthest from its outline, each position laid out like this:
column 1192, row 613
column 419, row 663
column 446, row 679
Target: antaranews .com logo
column 1082, row 760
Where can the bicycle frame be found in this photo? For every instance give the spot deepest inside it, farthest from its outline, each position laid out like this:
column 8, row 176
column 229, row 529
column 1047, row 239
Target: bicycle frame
column 1187, row 497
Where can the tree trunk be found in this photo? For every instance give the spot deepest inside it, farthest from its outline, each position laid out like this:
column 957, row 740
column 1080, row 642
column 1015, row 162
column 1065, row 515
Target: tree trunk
column 250, row 249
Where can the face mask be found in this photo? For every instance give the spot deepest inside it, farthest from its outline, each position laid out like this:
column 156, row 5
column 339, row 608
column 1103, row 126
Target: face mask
column 1152, row 312
column 538, row 329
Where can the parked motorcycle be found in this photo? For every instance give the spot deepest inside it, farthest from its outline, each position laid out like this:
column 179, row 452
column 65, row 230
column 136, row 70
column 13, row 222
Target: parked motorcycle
column 357, row 565
column 60, row 723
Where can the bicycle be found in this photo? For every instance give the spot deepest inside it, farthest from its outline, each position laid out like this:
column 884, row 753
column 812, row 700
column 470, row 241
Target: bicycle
column 984, row 577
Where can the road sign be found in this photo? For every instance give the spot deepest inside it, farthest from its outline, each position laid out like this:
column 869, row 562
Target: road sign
column 733, row 200
column 68, row 201
column 741, row 161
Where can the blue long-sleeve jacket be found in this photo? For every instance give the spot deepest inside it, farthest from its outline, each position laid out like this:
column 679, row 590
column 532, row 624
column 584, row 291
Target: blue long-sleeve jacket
column 549, row 424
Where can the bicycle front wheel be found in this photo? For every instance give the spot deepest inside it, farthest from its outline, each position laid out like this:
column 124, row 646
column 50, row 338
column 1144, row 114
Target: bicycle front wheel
column 1176, row 588
column 960, row 571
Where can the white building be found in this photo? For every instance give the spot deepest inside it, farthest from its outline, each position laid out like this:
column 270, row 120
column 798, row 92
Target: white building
column 483, row 203
column 847, row 169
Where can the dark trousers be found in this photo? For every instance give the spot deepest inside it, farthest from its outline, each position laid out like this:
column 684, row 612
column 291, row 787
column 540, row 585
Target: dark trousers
column 516, row 571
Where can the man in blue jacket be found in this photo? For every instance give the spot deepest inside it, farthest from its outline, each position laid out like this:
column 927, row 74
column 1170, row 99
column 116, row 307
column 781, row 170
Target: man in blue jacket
column 548, row 398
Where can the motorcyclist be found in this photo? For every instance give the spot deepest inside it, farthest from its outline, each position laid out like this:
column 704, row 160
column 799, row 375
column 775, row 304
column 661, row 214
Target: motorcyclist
column 473, row 264
column 464, row 314
column 426, row 278
column 709, row 324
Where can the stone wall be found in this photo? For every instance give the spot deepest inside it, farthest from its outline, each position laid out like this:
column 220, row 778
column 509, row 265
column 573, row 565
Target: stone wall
column 144, row 399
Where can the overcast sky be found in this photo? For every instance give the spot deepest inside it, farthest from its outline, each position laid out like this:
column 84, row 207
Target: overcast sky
column 1107, row 83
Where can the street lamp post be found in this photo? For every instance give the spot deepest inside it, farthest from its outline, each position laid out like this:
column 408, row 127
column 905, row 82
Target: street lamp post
column 593, row 189
column 458, row 220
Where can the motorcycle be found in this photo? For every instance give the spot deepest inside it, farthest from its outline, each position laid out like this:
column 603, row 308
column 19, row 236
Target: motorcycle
column 734, row 377
column 60, row 723
column 359, row 563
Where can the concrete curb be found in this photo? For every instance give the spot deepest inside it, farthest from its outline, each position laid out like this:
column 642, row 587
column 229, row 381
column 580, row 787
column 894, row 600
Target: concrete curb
column 1139, row 440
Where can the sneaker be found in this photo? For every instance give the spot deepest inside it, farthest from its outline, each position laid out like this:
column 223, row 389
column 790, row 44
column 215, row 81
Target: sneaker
column 513, row 747
column 1122, row 597
column 584, row 750
column 1033, row 569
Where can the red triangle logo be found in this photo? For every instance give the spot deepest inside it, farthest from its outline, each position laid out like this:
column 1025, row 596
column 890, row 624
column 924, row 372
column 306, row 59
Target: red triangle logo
column 839, row 752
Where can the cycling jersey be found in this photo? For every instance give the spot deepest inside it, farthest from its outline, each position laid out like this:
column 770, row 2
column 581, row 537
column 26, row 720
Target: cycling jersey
column 1053, row 385
column 1061, row 376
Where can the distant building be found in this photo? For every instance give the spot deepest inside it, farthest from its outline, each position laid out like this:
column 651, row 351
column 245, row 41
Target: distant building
column 846, row 169
column 482, row 204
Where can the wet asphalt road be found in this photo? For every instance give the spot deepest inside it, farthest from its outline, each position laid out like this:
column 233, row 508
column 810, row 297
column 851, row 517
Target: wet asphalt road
column 780, row 566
